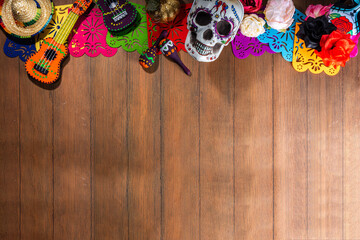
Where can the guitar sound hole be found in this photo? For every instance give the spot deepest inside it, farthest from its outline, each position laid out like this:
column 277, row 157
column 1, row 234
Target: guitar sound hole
column 50, row 54
column 41, row 69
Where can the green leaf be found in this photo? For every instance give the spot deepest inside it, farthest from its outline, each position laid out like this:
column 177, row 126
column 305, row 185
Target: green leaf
column 334, row 15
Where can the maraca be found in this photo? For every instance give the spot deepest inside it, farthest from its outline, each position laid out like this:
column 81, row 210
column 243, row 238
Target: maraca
column 147, row 58
column 167, row 47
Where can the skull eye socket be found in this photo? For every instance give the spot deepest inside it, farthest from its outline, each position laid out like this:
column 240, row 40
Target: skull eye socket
column 203, row 18
column 223, row 27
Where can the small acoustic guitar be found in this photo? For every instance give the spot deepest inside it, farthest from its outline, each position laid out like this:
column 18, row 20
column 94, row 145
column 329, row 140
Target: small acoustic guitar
column 119, row 15
column 45, row 65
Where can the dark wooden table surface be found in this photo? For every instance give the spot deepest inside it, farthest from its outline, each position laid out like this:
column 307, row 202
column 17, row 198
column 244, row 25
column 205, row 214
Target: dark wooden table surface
column 243, row 149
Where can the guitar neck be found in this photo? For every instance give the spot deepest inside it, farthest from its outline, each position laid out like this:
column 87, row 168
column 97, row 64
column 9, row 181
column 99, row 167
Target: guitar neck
column 65, row 30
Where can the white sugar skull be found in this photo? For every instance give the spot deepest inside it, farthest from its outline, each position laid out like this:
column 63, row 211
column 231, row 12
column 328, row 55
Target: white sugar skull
column 212, row 25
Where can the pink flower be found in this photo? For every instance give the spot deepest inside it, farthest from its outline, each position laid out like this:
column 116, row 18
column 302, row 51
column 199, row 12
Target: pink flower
column 317, row 10
column 279, row 14
column 355, row 39
column 251, row 6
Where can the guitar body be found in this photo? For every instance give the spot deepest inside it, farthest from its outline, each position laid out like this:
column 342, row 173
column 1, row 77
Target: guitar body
column 44, row 65
column 119, row 15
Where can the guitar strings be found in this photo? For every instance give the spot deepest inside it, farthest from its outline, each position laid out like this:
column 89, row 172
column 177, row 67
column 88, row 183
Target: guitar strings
column 55, row 44
column 52, row 42
column 108, row 2
column 116, row 11
column 62, row 38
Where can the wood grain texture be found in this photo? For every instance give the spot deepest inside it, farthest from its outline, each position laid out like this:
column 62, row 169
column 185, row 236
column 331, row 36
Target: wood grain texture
column 109, row 116
column 180, row 148
column 216, row 148
column 290, row 152
column 72, row 175
column 241, row 150
column 143, row 131
column 9, row 147
column 351, row 145
column 36, row 159
column 253, row 149
column 325, row 158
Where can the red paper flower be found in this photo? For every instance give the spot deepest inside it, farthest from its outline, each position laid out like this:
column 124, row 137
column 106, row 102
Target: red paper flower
column 335, row 49
column 251, row 6
column 343, row 24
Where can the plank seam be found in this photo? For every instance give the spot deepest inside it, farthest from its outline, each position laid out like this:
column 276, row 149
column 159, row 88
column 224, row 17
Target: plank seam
column 127, row 142
column 307, row 154
column 273, row 141
column 162, row 202
column 234, row 172
column 199, row 123
column 343, row 154
column 19, row 156
column 53, row 159
column 159, row 163
column 91, row 159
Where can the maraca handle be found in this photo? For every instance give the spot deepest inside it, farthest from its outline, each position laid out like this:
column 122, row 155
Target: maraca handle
column 163, row 35
column 184, row 68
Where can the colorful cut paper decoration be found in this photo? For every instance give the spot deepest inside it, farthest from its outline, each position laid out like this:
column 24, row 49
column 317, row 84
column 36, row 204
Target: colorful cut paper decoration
column 282, row 42
column 90, row 37
column 243, row 46
column 58, row 18
column 136, row 40
column 177, row 28
column 14, row 48
column 306, row 59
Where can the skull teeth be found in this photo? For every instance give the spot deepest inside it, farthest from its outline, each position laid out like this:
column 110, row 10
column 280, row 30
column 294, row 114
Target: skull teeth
column 202, row 49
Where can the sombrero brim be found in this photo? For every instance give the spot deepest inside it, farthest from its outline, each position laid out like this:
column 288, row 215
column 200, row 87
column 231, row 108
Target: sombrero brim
column 11, row 26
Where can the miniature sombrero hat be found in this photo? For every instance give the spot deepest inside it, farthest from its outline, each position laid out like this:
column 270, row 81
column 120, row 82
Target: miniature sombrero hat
column 25, row 18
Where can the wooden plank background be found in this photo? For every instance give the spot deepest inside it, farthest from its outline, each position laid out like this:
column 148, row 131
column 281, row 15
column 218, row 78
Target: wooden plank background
column 243, row 149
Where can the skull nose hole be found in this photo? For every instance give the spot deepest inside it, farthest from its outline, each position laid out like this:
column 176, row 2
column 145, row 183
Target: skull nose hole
column 208, row 34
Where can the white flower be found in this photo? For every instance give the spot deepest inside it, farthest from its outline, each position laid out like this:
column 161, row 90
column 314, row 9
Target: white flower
column 252, row 25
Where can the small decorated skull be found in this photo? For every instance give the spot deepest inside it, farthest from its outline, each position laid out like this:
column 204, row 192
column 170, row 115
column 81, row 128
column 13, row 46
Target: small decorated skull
column 212, row 25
